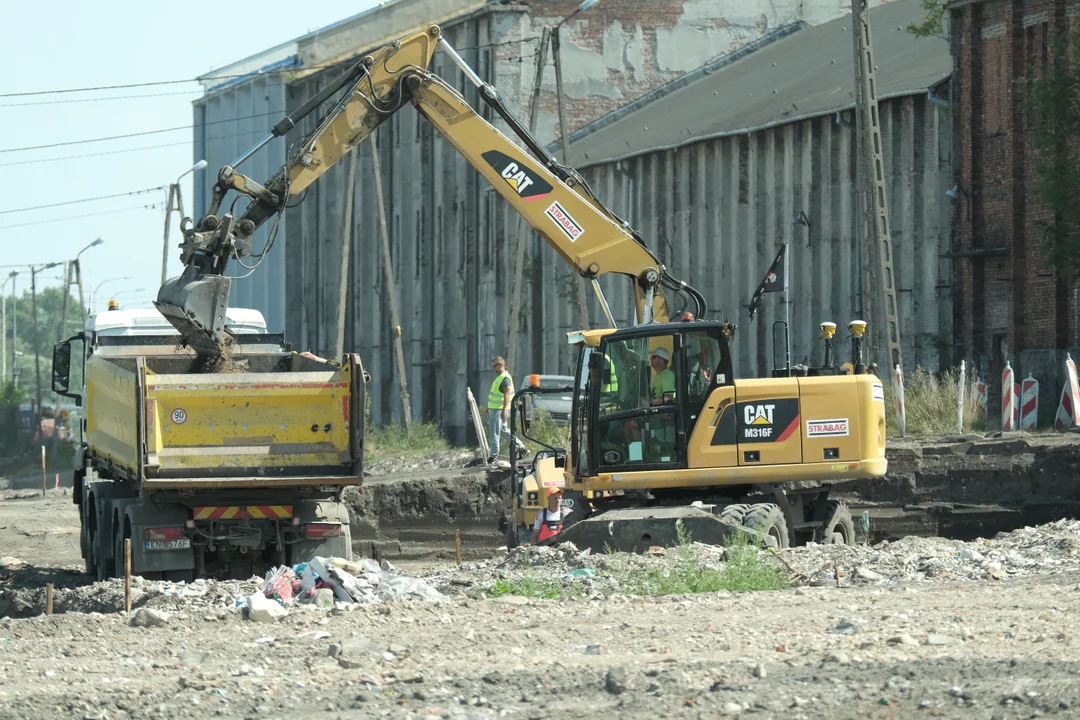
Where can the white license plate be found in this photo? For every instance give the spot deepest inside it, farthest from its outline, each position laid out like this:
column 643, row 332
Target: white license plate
column 181, row 544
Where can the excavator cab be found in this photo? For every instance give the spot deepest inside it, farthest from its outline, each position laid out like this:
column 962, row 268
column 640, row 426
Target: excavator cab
column 641, row 392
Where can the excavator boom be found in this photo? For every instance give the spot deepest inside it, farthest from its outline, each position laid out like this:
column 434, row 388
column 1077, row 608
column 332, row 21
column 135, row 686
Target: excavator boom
column 552, row 198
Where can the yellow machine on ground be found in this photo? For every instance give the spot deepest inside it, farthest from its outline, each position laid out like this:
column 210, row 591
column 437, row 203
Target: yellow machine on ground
column 758, row 452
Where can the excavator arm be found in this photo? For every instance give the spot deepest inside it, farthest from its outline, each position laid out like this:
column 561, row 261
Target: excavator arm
column 552, row 198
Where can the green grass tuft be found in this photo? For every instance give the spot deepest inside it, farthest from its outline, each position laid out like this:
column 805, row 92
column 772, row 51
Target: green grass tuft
column 394, row 440
column 930, row 402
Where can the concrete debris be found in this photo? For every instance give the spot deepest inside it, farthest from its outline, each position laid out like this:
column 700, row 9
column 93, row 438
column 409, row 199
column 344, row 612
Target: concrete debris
column 147, row 617
column 262, row 609
column 1021, row 553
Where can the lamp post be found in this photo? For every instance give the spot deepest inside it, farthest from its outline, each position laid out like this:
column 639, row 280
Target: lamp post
column 74, row 265
column 37, row 353
column 174, row 191
column 14, row 329
column 114, row 296
column 563, row 136
column 94, row 293
column 3, row 326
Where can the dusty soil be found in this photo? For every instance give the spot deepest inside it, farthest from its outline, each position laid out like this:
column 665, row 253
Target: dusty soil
column 923, row 640
column 1006, row 649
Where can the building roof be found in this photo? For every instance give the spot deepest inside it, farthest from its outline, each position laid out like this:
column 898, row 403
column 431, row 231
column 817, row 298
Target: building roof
column 806, row 74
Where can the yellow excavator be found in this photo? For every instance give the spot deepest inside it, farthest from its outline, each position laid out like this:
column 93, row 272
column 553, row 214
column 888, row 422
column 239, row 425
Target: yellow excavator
column 662, row 434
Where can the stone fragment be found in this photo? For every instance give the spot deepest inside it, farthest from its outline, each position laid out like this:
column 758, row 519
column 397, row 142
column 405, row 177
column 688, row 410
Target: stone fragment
column 147, row 617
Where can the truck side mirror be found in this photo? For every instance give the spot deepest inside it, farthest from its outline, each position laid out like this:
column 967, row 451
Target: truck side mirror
column 61, row 370
column 61, row 367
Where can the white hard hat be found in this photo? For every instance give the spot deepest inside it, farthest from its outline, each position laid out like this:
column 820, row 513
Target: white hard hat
column 661, row 353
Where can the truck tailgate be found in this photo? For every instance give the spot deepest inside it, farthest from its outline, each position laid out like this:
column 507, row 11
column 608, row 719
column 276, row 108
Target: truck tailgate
column 250, row 425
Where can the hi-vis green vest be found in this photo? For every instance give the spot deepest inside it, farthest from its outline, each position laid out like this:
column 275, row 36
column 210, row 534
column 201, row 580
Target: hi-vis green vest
column 495, row 398
column 613, row 386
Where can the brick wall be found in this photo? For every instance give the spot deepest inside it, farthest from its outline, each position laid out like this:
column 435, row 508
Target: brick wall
column 1009, row 302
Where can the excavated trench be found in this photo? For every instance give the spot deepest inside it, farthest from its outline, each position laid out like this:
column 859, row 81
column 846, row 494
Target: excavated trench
column 959, row 487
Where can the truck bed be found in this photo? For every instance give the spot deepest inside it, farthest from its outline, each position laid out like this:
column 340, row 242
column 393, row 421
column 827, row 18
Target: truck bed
column 283, row 419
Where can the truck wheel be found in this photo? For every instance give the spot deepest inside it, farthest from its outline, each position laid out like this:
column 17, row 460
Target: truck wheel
column 839, row 527
column 735, row 513
column 768, row 518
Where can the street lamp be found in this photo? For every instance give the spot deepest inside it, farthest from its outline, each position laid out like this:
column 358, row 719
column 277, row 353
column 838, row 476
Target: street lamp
column 94, row 293
column 67, row 289
column 3, row 326
column 174, row 191
column 126, row 292
column 34, row 270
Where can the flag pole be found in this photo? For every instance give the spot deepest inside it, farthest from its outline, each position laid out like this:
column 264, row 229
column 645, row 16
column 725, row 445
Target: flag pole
column 787, row 312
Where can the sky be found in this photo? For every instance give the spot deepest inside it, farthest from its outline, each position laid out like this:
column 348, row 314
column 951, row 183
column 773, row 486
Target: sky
column 82, row 44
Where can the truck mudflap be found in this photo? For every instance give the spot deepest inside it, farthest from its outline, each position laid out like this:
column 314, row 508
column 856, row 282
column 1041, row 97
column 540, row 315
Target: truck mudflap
column 637, row 529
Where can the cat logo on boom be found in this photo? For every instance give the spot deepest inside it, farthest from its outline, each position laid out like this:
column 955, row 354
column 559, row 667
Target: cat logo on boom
column 527, row 184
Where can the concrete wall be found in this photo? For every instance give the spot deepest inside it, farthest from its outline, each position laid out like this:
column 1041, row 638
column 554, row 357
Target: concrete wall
column 1011, row 304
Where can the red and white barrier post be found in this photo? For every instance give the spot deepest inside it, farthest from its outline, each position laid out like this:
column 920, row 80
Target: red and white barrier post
column 898, row 388
column 982, row 395
column 1009, row 402
column 1068, row 414
column 1029, row 403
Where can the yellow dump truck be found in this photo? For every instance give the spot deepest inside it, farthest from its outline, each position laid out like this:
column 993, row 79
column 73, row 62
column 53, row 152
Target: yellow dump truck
column 210, row 472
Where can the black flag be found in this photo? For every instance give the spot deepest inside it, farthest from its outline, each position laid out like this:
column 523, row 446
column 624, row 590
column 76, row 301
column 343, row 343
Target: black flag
column 775, row 280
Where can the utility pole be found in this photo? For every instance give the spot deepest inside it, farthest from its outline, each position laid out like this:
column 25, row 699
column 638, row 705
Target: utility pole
column 37, row 357
column 82, row 299
column 391, row 291
column 523, row 227
column 873, row 202
column 565, row 138
column 14, row 331
column 3, row 325
column 174, row 192
column 67, row 294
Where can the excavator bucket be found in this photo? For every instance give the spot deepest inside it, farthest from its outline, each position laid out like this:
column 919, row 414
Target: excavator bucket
column 195, row 303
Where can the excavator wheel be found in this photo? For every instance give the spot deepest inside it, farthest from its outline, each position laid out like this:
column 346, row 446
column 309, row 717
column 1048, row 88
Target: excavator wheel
column 839, row 527
column 735, row 513
column 768, row 519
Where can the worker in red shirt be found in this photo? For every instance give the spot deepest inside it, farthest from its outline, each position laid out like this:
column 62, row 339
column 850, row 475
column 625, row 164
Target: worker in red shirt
column 549, row 521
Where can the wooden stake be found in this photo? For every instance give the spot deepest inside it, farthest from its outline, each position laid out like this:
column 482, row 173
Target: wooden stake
column 48, row 599
column 127, row 574
column 457, row 545
column 43, row 481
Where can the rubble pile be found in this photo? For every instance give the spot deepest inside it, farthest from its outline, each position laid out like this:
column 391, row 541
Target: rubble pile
column 324, row 583
column 1028, row 551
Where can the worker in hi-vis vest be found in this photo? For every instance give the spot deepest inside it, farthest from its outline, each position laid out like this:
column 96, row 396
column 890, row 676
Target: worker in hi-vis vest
column 498, row 407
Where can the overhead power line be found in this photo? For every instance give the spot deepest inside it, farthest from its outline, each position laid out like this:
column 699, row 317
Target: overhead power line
column 98, row 99
column 152, row 206
column 135, row 134
column 84, row 200
column 295, row 68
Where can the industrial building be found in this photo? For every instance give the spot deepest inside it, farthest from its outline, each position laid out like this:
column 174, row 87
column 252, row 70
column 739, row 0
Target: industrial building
column 717, row 137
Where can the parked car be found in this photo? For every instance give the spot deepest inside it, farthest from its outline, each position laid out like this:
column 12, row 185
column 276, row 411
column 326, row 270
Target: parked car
column 558, row 406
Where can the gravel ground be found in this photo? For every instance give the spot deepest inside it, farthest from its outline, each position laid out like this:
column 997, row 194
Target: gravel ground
column 907, row 629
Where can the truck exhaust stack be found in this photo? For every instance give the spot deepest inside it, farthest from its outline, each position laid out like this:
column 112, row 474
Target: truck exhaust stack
column 195, row 304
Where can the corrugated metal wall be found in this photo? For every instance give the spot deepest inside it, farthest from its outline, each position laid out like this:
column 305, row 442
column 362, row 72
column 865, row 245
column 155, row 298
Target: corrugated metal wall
column 227, row 123
column 717, row 211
